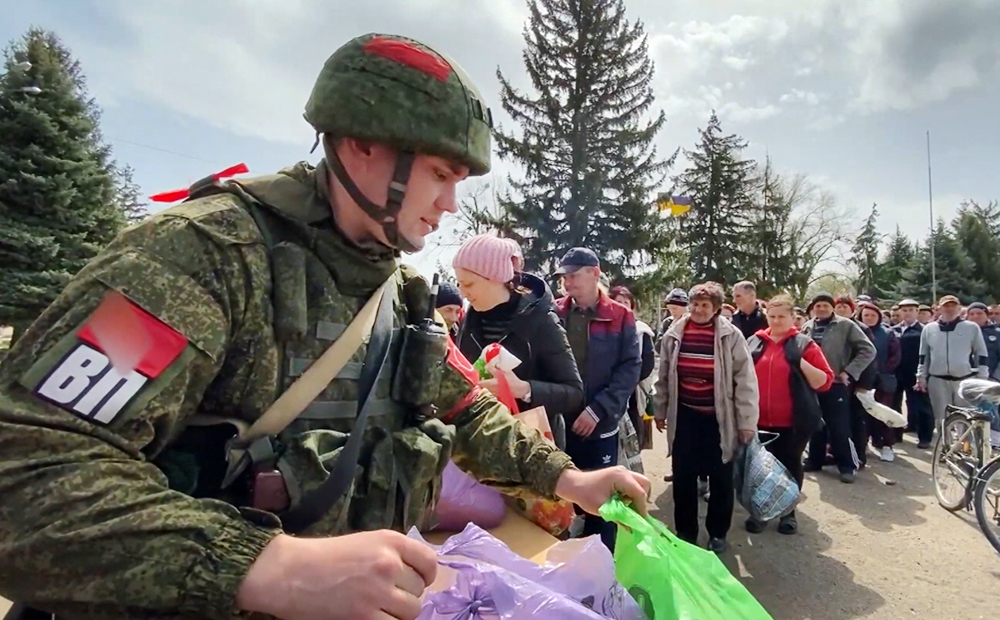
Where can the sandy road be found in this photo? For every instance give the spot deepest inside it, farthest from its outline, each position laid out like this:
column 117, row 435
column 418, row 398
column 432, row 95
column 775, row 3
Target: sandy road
column 867, row 550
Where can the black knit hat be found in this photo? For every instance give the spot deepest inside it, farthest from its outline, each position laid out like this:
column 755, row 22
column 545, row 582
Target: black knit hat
column 827, row 297
column 448, row 295
column 979, row 306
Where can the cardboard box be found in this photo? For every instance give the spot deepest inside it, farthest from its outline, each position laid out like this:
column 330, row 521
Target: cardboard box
column 522, row 536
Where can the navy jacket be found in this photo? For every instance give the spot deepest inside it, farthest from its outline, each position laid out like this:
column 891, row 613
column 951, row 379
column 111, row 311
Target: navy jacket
column 614, row 359
column 909, row 349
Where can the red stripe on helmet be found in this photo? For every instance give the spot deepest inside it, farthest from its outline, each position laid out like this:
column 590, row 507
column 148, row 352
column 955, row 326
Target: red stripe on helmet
column 411, row 55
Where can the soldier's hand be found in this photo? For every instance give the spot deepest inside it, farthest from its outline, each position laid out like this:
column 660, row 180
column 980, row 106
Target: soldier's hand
column 373, row 575
column 591, row 489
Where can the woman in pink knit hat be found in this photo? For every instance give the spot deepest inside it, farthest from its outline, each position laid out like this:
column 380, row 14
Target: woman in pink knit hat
column 515, row 309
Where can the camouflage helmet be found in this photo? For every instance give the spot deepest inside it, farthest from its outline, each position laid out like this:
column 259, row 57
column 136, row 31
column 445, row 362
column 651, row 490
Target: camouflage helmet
column 397, row 91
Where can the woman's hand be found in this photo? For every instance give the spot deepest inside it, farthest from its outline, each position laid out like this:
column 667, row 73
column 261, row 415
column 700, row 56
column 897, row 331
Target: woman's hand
column 518, row 387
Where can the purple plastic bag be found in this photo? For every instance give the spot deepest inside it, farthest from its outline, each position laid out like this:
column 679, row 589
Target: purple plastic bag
column 464, row 501
column 480, row 578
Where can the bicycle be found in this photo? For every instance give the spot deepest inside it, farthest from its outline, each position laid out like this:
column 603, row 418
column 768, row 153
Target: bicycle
column 964, row 451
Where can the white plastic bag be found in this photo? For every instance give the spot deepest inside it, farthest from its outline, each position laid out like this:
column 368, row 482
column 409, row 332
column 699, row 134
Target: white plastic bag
column 891, row 417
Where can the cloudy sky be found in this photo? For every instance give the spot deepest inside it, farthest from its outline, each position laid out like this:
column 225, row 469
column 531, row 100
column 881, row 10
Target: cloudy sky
column 843, row 90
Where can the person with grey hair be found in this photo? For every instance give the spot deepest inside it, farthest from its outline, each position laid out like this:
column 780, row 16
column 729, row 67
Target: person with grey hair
column 749, row 317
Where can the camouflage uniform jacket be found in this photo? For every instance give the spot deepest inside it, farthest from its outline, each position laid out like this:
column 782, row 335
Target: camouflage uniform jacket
column 105, row 512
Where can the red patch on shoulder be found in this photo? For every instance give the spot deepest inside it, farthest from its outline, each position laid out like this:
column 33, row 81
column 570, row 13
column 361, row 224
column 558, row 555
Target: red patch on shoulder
column 411, row 55
column 132, row 338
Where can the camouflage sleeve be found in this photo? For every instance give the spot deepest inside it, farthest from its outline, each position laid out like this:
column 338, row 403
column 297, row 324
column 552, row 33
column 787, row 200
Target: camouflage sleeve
column 493, row 446
column 95, row 388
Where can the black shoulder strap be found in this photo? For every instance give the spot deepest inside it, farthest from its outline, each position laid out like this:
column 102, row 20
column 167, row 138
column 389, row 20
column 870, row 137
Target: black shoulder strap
column 313, row 506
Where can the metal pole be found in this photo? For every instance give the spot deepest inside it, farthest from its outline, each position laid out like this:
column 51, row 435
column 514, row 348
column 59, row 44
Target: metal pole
column 930, row 201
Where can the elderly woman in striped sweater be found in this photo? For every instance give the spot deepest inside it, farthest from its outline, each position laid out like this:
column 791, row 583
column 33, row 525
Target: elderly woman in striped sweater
column 706, row 398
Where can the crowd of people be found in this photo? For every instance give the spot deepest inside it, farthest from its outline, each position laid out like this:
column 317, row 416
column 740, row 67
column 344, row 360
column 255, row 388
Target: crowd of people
column 727, row 372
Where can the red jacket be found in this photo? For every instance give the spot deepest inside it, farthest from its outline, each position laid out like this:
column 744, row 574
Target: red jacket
column 774, row 379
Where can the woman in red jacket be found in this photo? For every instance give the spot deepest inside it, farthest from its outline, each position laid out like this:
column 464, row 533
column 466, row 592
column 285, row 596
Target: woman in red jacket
column 778, row 406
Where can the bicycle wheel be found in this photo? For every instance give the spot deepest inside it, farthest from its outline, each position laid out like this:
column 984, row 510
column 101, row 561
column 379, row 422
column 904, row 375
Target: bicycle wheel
column 987, row 502
column 955, row 462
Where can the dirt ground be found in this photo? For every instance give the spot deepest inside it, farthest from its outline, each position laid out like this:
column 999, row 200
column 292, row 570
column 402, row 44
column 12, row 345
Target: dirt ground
column 868, row 550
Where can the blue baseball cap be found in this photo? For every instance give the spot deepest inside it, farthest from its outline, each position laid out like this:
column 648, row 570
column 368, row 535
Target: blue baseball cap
column 576, row 259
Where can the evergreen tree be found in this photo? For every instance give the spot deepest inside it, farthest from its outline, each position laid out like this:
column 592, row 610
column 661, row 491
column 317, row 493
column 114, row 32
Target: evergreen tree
column 898, row 259
column 58, row 185
column 718, row 230
column 130, row 201
column 955, row 270
column 585, row 148
column 977, row 230
column 865, row 257
column 769, row 264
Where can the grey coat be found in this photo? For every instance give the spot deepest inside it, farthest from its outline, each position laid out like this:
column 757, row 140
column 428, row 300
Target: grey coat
column 737, row 401
column 845, row 346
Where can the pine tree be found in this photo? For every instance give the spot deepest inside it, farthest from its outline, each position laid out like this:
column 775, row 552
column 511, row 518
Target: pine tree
column 898, row 259
column 977, row 231
column 955, row 270
column 585, row 148
column 770, row 265
column 718, row 230
column 865, row 257
column 58, row 185
column 130, row 200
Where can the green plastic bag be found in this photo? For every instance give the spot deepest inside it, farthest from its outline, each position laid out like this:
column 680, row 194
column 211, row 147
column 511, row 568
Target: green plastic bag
column 672, row 579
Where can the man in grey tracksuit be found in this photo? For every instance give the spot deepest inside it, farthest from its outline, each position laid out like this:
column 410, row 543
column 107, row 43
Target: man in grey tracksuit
column 948, row 349
column 849, row 352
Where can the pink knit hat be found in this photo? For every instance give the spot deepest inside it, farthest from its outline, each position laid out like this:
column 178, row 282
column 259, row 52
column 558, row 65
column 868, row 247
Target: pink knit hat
column 488, row 256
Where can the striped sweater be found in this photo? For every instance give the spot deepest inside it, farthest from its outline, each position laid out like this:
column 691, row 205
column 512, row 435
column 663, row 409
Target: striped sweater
column 696, row 368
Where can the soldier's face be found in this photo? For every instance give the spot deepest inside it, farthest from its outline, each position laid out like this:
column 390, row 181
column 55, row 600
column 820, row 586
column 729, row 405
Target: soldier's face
column 430, row 191
column 430, row 194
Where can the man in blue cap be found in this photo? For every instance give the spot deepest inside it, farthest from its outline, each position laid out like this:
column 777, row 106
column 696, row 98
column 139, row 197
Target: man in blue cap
column 606, row 346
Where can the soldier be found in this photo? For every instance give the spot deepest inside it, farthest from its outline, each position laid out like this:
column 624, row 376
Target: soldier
column 171, row 349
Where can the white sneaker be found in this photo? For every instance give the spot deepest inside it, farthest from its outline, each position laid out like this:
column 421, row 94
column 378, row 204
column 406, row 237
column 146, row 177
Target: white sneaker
column 887, row 454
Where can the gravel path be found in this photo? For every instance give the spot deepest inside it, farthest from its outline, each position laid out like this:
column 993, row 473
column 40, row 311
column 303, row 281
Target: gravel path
column 869, row 550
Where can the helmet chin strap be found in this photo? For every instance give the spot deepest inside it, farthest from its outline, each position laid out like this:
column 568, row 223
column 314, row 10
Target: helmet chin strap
column 387, row 216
